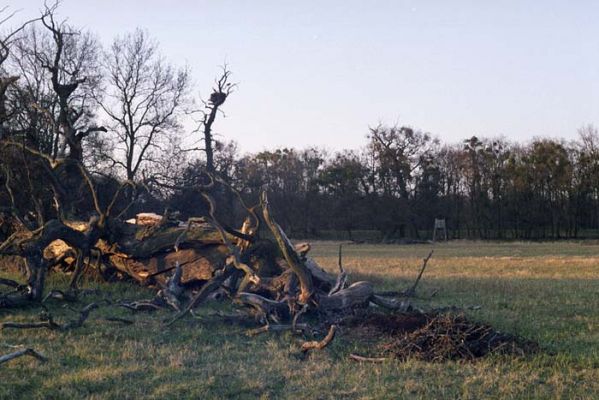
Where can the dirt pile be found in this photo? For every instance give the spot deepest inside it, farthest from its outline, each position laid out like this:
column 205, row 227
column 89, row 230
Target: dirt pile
column 438, row 337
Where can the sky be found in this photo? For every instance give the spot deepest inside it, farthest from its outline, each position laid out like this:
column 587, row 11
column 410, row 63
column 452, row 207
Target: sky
column 319, row 73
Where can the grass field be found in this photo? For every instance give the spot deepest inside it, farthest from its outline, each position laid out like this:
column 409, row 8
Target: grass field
column 547, row 292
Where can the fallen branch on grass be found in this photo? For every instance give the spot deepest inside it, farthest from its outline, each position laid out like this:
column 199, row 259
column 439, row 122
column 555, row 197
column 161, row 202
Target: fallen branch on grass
column 10, row 283
column 277, row 328
column 359, row 358
column 319, row 345
column 49, row 323
column 20, row 353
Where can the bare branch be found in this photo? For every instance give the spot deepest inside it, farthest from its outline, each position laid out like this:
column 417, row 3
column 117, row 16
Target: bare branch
column 319, row 345
column 23, row 352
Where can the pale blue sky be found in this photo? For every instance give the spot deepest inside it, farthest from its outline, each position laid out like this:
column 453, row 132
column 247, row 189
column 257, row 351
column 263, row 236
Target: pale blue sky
column 320, row 72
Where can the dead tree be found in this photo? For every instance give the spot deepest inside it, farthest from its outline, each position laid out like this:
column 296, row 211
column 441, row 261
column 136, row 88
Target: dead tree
column 222, row 89
column 70, row 63
column 6, row 41
column 259, row 267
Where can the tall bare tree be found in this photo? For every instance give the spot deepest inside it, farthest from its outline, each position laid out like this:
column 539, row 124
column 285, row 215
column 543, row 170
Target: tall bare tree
column 6, row 77
column 144, row 100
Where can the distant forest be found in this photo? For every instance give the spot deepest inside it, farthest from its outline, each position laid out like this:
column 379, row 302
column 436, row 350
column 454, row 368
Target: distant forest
column 403, row 179
column 123, row 111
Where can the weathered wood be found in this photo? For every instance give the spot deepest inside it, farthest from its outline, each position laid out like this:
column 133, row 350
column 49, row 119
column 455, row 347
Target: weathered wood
column 267, row 308
column 49, row 322
column 23, row 352
column 358, row 294
column 342, row 277
column 197, row 264
column 360, row 358
column 277, row 328
column 291, row 256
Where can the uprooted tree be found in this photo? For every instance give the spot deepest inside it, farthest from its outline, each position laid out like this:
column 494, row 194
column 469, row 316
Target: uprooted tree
column 256, row 266
column 54, row 218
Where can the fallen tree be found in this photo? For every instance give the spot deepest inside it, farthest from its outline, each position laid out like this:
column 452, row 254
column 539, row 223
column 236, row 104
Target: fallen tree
column 257, row 265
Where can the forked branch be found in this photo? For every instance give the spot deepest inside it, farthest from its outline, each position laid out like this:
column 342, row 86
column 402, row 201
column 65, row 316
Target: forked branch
column 21, row 353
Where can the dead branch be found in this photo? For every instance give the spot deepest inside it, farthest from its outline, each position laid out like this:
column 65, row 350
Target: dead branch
column 236, row 257
column 10, row 282
column 296, row 317
column 319, row 345
column 217, row 280
column 124, row 321
column 342, row 277
column 358, row 294
column 23, row 352
column 60, row 295
column 266, row 309
column 173, row 290
column 292, row 258
column 410, row 292
column 142, row 305
column 391, row 304
column 49, row 323
column 359, row 358
column 277, row 328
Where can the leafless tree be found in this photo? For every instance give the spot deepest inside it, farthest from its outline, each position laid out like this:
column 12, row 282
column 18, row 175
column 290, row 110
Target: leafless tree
column 6, row 78
column 69, row 57
column 222, row 89
column 144, row 101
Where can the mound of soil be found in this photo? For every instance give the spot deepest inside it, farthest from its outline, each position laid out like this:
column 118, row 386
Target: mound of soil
column 437, row 337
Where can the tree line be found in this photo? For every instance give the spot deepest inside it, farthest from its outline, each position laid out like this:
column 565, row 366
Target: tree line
column 402, row 179
column 124, row 111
